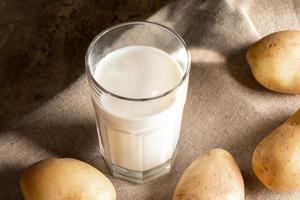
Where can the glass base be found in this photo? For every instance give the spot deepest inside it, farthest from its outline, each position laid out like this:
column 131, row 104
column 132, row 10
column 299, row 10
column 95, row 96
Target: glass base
column 138, row 176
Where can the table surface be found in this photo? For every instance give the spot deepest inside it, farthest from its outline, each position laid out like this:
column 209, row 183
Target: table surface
column 42, row 51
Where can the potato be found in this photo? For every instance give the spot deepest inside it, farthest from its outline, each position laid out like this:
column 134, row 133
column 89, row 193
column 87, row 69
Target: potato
column 65, row 178
column 214, row 176
column 275, row 61
column 276, row 159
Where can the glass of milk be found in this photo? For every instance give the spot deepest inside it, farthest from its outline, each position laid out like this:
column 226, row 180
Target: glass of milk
column 138, row 75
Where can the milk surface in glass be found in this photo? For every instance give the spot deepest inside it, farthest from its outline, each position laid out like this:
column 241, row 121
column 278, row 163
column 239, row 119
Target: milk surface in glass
column 139, row 135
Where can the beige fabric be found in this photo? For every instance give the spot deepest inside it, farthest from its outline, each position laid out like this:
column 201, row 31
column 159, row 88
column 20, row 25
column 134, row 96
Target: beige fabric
column 225, row 108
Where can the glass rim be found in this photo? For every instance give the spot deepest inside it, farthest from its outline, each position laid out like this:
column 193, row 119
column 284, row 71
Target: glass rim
column 162, row 27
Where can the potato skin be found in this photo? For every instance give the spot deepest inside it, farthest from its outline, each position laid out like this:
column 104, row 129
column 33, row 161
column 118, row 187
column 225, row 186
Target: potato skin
column 275, row 61
column 65, row 178
column 213, row 176
column 276, row 159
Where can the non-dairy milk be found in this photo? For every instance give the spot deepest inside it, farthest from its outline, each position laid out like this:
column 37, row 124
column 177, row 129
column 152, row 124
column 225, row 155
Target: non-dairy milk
column 139, row 135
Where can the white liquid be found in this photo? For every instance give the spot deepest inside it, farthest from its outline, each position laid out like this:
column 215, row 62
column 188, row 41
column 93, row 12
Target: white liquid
column 139, row 135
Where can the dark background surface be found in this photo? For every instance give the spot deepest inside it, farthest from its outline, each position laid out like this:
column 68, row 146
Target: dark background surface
column 43, row 43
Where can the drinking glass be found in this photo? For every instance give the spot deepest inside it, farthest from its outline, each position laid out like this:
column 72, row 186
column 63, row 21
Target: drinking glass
column 138, row 148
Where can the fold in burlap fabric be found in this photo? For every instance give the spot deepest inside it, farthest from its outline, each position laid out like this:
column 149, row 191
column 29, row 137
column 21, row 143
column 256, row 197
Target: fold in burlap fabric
column 225, row 107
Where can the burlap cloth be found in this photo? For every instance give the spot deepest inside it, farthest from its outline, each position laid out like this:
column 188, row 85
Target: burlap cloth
column 225, row 107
